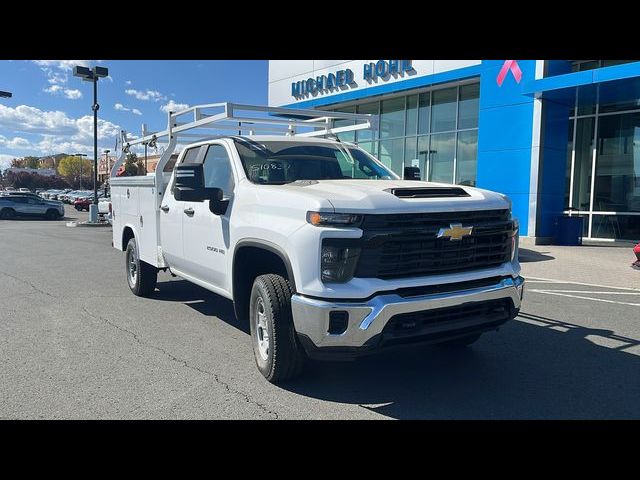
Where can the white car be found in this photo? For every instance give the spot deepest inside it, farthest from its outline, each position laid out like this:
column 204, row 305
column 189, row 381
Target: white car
column 326, row 252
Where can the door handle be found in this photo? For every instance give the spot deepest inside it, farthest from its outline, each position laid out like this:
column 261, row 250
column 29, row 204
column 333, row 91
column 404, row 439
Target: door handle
column 189, row 211
column 164, row 208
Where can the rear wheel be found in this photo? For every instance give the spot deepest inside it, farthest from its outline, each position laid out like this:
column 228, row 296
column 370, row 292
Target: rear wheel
column 7, row 213
column 462, row 341
column 141, row 276
column 278, row 354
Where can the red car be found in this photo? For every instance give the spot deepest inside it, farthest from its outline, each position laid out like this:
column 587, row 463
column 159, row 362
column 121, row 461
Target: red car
column 636, row 250
column 82, row 204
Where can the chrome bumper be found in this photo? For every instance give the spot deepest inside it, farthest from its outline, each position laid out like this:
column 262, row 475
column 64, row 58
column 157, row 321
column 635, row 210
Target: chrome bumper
column 368, row 319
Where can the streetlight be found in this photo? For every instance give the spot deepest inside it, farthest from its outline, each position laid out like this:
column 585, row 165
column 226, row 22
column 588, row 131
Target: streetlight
column 92, row 75
column 81, row 162
column 5, row 94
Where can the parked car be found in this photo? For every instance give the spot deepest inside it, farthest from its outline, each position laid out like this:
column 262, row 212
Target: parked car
column 82, row 203
column 12, row 206
column 24, row 190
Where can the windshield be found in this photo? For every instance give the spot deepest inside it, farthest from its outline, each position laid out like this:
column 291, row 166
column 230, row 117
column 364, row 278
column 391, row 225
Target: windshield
column 277, row 163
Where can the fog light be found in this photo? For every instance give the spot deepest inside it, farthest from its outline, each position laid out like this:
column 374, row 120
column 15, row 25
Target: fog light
column 338, row 322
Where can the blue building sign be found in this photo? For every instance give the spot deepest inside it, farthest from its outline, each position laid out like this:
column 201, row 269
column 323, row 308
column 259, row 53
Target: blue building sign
column 341, row 78
column 383, row 69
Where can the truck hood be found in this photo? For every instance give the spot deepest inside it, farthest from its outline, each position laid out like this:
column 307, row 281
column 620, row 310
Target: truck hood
column 374, row 196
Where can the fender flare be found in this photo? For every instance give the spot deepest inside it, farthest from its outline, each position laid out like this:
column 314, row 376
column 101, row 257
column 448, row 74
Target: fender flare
column 269, row 246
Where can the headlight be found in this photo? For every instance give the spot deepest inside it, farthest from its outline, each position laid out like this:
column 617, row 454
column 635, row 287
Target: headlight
column 333, row 219
column 338, row 260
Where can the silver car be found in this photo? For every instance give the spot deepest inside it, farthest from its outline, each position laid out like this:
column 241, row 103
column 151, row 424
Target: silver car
column 29, row 206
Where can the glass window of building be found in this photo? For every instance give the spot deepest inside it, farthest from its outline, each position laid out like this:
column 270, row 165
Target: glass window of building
column 467, row 158
column 443, row 111
column 442, row 152
column 468, row 106
column 391, row 154
column 437, row 128
column 412, row 115
column 372, row 108
column 424, row 112
column 392, row 116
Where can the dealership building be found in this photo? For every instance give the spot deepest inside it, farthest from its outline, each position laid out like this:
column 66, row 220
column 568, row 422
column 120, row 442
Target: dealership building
column 556, row 136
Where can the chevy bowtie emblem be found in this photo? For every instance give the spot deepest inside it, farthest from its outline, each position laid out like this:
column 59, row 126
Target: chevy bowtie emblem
column 455, row 231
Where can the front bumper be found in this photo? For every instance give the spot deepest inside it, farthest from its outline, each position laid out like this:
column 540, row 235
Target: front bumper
column 367, row 319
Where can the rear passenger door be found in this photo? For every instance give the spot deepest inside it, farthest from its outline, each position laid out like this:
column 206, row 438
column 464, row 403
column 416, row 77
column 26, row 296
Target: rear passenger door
column 172, row 217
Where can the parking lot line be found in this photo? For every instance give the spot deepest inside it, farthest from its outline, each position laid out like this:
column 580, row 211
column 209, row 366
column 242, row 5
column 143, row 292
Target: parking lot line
column 551, row 280
column 553, row 292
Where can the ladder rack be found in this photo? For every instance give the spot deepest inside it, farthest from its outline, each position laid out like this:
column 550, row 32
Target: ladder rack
column 196, row 124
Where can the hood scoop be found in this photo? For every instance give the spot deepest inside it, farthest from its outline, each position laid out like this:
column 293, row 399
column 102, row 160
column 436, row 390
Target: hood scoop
column 428, row 192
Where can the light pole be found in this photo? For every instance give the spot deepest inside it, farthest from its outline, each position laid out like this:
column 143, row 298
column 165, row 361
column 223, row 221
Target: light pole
column 81, row 162
column 92, row 75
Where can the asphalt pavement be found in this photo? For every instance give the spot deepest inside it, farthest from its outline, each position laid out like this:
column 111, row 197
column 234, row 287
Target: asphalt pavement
column 76, row 344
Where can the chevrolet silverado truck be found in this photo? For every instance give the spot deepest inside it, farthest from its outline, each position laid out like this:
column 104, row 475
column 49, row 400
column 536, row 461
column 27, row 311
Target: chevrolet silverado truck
column 324, row 250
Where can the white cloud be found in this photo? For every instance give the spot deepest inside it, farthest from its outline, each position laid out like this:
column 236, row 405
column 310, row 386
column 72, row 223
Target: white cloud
column 61, row 64
column 72, row 94
column 56, row 78
column 59, row 133
column 5, row 160
column 145, row 95
column 121, row 107
column 14, row 143
column 128, row 82
column 173, row 106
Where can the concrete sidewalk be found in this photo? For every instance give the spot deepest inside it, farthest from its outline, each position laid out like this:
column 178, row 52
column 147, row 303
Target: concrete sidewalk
column 600, row 264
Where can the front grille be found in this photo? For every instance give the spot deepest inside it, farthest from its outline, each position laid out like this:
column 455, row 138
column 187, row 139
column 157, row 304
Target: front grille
column 446, row 320
column 406, row 245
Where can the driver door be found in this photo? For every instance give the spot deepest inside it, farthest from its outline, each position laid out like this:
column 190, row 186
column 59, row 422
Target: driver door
column 206, row 235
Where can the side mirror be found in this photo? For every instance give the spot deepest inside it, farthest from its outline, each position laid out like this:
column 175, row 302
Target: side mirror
column 217, row 205
column 189, row 183
column 412, row 173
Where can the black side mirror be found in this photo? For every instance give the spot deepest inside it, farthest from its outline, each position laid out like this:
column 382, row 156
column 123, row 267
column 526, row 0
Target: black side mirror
column 217, row 205
column 412, row 173
column 189, row 183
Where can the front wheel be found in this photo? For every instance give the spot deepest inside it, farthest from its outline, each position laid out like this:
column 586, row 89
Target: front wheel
column 141, row 276
column 51, row 215
column 278, row 354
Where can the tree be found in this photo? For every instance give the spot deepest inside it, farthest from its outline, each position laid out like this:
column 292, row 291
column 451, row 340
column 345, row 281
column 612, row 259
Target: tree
column 26, row 162
column 132, row 165
column 33, row 181
column 71, row 167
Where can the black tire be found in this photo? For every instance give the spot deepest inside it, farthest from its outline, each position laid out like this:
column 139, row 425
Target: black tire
column 51, row 214
column 461, row 342
column 8, row 213
column 143, row 278
column 285, row 358
column 78, row 208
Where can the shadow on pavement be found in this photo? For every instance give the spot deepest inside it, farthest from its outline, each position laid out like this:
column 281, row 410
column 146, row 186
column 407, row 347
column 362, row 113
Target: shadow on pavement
column 523, row 372
column 525, row 255
column 201, row 300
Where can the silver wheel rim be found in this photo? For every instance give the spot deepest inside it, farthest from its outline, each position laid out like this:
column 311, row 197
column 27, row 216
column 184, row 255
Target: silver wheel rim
column 132, row 267
column 262, row 329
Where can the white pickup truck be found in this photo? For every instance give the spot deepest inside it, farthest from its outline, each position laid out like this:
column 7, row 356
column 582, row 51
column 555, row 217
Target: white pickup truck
column 324, row 250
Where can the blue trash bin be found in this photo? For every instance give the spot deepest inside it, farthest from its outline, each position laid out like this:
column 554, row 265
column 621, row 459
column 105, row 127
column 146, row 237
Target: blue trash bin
column 569, row 230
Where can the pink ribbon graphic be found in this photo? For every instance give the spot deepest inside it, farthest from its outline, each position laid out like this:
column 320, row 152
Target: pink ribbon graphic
column 509, row 65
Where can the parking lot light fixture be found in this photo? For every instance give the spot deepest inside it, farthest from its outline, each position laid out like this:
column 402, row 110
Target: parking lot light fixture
column 5, row 94
column 93, row 75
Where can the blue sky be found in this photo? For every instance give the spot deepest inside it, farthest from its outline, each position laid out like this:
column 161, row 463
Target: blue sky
column 50, row 111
